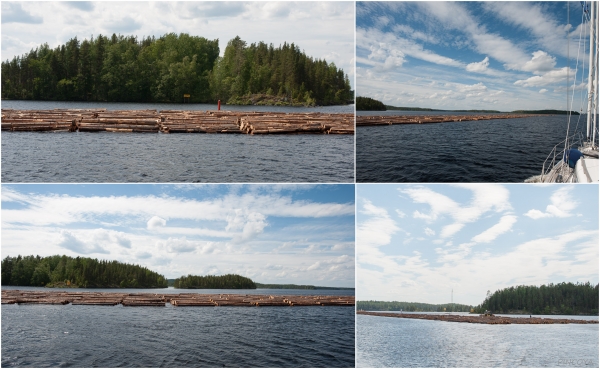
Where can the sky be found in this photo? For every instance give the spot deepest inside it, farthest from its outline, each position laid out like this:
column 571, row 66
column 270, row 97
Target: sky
column 324, row 30
column 300, row 234
column 469, row 55
column 423, row 243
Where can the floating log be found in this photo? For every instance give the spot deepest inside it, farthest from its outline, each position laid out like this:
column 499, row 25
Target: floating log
column 183, row 299
column 368, row 120
column 480, row 319
column 176, row 121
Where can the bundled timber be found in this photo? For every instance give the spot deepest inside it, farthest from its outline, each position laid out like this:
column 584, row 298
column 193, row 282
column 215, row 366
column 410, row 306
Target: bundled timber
column 480, row 319
column 368, row 120
column 176, row 121
column 182, row 299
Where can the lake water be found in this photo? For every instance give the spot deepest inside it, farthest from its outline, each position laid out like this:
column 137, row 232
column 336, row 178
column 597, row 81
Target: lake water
column 506, row 150
column 117, row 336
column 139, row 157
column 403, row 343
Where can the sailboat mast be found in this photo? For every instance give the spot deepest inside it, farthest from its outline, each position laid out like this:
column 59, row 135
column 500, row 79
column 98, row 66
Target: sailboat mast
column 591, row 75
column 594, row 126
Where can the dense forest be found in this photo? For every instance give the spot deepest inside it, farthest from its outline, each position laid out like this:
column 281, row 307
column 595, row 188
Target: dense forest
column 125, row 69
column 562, row 298
column 410, row 306
column 367, row 103
column 232, row 281
column 76, row 272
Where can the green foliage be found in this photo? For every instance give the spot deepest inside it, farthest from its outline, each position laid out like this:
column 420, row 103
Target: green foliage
column 116, row 69
column 84, row 272
column 562, row 298
column 233, row 281
column 410, row 306
column 163, row 70
column 366, row 103
column 262, row 69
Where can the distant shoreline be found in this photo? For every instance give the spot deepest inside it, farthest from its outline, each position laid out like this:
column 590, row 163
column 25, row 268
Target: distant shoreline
column 479, row 319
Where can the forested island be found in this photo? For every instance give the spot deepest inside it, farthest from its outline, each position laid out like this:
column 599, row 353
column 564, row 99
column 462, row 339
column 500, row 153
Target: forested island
column 227, row 281
column 369, row 104
column 410, row 306
column 124, row 69
column 562, row 299
column 66, row 271
column 552, row 299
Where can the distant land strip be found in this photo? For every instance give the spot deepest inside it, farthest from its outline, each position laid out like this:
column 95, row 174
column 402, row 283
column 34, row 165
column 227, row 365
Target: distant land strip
column 372, row 305
column 380, row 120
column 480, row 319
column 298, row 287
column 160, row 300
column 369, row 104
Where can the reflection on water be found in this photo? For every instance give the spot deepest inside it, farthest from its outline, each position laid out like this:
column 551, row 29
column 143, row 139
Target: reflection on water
column 393, row 342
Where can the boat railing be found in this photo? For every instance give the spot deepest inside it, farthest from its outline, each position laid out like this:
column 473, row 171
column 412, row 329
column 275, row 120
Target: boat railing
column 558, row 152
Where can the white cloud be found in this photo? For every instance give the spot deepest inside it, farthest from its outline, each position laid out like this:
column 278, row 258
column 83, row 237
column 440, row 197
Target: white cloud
column 548, row 78
column 429, row 231
column 70, row 242
column 506, row 223
column 560, row 207
column 479, row 67
column 156, row 222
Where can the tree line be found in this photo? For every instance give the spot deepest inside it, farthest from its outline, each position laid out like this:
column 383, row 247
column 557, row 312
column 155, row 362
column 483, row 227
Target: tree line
column 410, row 306
column 367, row 103
column 227, row 281
column 562, row 298
column 125, row 69
column 64, row 270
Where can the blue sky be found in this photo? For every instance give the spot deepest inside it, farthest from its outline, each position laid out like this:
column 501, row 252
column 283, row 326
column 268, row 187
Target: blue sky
column 302, row 234
column 324, row 30
column 419, row 242
column 468, row 55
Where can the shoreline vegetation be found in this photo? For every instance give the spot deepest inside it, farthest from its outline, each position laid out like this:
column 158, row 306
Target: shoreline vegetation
column 411, row 306
column 67, row 272
column 369, row 104
column 552, row 299
column 174, row 69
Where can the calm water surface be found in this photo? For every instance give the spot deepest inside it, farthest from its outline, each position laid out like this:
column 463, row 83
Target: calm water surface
column 116, row 336
column 505, row 150
column 393, row 342
column 138, row 157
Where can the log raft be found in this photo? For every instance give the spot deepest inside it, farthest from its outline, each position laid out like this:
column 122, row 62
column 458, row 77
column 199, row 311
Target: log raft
column 479, row 319
column 160, row 300
column 176, row 121
column 368, row 120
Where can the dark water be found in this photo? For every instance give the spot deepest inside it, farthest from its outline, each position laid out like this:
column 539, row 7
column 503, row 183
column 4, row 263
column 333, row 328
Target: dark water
column 111, row 336
column 393, row 342
column 504, row 150
column 139, row 157
column 116, row 336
